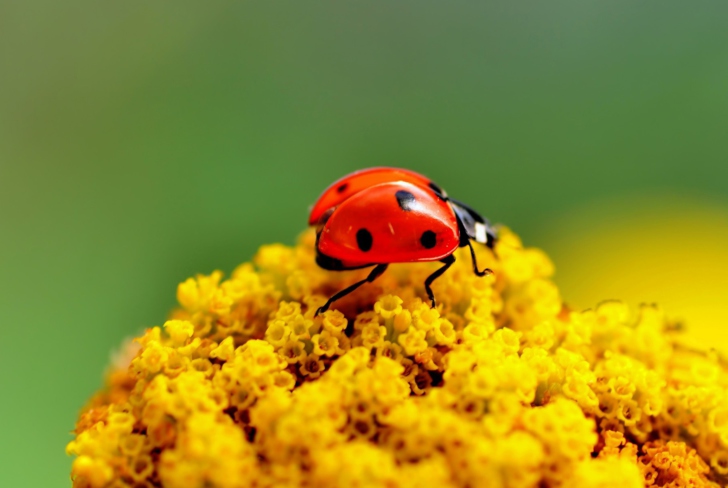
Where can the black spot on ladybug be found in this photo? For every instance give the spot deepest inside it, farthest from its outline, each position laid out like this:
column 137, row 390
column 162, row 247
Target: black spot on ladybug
column 428, row 239
column 406, row 200
column 342, row 187
column 364, row 239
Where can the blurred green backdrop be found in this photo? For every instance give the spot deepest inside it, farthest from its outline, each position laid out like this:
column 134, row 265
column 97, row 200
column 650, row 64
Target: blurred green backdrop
column 142, row 142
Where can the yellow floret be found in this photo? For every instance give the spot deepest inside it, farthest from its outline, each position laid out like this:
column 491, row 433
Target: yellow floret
column 388, row 306
column 607, row 473
column 179, row 330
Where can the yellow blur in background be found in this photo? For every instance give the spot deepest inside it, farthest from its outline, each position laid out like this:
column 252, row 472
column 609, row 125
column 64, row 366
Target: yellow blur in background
column 662, row 249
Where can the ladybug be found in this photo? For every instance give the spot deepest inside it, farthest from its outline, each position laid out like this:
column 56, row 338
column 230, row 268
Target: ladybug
column 378, row 216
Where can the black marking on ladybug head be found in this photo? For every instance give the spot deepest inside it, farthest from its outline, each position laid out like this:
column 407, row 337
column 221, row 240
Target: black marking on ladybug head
column 325, row 216
column 490, row 237
column 364, row 239
column 406, row 200
column 342, row 187
column 438, row 191
column 428, row 239
column 329, row 263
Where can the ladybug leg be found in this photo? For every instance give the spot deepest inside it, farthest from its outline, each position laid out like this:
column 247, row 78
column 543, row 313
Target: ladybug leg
column 373, row 275
column 428, row 282
column 486, row 271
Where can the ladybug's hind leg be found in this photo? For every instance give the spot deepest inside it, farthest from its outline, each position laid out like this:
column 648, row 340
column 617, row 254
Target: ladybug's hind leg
column 428, row 282
column 373, row 275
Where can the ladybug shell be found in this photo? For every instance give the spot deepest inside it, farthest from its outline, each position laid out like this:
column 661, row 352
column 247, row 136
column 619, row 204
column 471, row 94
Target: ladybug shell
column 393, row 222
column 357, row 181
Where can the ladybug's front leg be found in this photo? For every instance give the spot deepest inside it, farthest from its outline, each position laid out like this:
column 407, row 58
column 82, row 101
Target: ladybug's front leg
column 373, row 275
column 478, row 273
column 448, row 262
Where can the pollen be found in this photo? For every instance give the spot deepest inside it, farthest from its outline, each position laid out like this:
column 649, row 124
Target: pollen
column 502, row 385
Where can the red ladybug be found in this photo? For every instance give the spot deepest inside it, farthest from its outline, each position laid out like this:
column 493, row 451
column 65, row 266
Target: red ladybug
column 379, row 216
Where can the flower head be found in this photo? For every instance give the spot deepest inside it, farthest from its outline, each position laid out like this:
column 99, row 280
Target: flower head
column 502, row 385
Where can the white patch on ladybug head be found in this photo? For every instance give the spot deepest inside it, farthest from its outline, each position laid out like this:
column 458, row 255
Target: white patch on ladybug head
column 481, row 235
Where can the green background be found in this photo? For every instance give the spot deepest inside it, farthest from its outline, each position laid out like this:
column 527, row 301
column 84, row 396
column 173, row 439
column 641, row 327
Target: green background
column 142, row 142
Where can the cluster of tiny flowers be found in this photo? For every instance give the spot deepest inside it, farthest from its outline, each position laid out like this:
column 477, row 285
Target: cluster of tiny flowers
column 501, row 385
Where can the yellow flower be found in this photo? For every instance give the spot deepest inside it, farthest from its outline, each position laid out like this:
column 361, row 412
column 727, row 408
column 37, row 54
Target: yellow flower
column 426, row 318
column 325, row 344
column 91, row 471
column 210, row 451
column 372, row 335
column 277, row 333
column 224, row 351
column 413, row 341
column 334, row 321
column 402, row 321
column 299, row 327
column 388, row 306
column 311, row 366
column 502, row 385
column 608, row 473
column 444, row 332
column 195, row 294
column 179, row 330
column 684, row 274
column 293, row 351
